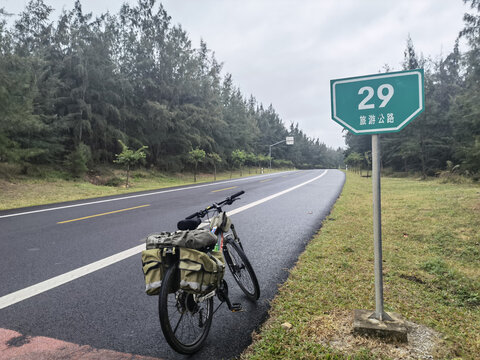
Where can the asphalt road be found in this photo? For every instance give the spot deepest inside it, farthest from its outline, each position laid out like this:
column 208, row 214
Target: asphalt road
column 107, row 308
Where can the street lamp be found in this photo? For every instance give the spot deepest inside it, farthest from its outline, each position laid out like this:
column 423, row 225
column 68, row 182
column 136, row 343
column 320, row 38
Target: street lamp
column 288, row 140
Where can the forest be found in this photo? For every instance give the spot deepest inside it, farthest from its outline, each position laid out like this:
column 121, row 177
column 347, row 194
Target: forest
column 445, row 138
column 75, row 90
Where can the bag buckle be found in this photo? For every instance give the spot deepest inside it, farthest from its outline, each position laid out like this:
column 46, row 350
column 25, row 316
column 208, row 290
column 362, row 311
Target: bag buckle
column 169, row 251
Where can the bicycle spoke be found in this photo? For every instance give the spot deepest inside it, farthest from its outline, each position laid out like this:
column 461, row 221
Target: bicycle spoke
column 185, row 322
column 178, row 323
column 242, row 270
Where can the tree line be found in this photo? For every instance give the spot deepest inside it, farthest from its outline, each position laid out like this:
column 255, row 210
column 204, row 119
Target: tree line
column 70, row 89
column 446, row 136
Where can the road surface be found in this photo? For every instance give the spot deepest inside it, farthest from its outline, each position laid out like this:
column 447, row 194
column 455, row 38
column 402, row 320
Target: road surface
column 72, row 271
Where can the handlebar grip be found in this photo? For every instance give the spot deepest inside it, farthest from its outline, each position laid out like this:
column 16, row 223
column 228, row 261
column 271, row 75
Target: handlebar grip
column 188, row 224
column 191, row 216
column 237, row 194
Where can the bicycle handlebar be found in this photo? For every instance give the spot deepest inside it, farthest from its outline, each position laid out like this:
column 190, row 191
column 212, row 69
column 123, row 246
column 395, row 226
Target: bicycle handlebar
column 229, row 200
column 237, row 194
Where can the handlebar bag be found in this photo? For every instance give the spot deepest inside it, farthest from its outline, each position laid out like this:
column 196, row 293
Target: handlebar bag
column 200, row 272
column 193, row 239
column 221, row 221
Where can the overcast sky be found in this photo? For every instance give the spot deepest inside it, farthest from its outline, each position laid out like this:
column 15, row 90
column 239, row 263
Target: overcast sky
column 285, row 52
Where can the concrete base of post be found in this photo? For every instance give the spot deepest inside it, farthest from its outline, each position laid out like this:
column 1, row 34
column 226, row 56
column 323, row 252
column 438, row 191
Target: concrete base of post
column 390, row 330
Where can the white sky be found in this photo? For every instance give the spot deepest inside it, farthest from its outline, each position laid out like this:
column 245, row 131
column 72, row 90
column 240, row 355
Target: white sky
column 285, row 52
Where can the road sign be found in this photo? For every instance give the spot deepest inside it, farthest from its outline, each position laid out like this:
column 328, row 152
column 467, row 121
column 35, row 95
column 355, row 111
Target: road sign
column 375, row 104
column 289, row 140
column 380, row 103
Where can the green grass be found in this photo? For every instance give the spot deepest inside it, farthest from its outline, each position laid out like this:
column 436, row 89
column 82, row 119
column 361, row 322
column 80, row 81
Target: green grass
column 431, row 244
column 47, row 186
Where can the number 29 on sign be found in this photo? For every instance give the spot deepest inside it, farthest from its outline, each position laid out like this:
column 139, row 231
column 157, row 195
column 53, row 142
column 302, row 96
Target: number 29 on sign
column 384, row 97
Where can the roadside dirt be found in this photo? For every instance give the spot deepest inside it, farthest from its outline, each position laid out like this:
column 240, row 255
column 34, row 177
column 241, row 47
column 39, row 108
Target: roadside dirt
column 334, row 329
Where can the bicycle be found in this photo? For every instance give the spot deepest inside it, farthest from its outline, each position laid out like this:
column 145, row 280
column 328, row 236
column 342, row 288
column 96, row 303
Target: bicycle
column 186, row 317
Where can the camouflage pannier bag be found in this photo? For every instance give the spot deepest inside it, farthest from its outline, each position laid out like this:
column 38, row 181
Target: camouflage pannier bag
column 154, row 258
column 193, row 239
column 154, row 268
column 200, row 272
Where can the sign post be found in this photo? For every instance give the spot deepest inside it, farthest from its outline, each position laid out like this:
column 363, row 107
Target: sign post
column 379, row 314
column 376, row 104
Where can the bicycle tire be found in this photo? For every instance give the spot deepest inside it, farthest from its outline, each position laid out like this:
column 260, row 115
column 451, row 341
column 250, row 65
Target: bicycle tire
column 185, row 323
column 241, row 269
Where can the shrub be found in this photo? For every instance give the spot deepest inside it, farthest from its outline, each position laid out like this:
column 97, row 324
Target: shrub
column 76, row 162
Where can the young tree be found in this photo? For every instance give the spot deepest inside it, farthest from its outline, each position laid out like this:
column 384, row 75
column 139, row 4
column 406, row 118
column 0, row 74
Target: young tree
column 354, row 160
column 263, row 161
column 251, row 160
column 238, row 159
column 130, row 158
column 214, row 159
column 367, row 161
column 196, row 156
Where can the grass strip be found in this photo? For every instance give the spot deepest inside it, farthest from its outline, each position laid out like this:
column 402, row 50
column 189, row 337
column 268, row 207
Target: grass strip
column 20, row 191
column 431, row 248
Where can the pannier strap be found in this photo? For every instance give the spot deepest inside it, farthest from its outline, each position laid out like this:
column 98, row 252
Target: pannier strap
column 220, row 266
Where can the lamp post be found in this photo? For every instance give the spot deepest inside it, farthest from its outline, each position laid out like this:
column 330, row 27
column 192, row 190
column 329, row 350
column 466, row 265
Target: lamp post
column 288, row 139
column 270, row 151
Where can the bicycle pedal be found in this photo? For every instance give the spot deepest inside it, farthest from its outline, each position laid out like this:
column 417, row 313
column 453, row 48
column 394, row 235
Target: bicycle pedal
column 236, row 307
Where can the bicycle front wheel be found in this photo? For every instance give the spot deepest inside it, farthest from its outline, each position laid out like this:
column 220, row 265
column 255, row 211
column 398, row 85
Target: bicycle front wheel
column 241, row 269
column 185, row 321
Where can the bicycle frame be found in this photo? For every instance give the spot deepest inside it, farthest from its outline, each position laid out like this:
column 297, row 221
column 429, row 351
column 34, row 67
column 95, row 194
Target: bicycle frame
column 198, row 309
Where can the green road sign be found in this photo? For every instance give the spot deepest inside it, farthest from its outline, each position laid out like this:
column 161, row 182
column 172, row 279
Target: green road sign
column 380, row 103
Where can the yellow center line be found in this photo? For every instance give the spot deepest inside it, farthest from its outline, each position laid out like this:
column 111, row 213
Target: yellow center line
column 266, row 180
column 107, row 213
column 230, row 188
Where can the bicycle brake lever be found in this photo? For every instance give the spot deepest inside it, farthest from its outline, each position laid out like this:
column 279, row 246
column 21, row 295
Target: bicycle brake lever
column 230, row 201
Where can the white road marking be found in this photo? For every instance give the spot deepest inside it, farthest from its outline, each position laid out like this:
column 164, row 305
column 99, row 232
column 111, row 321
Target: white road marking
column 135, row 196
column 51, row 283
column 56, row 281
column 258, row 202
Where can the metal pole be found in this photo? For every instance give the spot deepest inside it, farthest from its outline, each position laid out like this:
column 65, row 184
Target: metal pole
column 377, row 231
column 270, row 155
column 270, row 150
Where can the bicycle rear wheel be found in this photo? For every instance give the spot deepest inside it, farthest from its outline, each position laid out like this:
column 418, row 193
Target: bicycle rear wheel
column 185, row 321
column 241, row 269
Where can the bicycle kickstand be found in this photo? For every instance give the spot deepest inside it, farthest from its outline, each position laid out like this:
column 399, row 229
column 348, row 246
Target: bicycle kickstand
column 222, row 294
